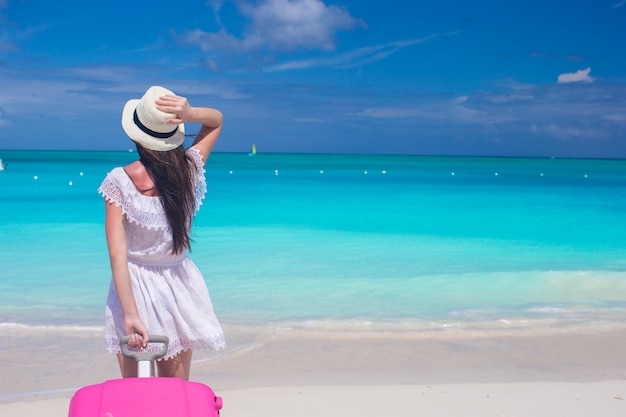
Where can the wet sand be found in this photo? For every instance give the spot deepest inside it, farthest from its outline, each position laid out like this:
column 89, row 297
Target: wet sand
column 293, row 372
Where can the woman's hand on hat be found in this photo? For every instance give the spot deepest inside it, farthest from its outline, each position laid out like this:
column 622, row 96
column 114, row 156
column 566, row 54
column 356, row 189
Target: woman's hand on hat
column 176, row 105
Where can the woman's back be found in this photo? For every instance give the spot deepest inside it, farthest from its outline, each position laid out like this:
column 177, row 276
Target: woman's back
column 148, row 232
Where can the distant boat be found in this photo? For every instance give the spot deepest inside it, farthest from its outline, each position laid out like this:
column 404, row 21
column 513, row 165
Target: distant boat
column 253, row 150
column 2, row 165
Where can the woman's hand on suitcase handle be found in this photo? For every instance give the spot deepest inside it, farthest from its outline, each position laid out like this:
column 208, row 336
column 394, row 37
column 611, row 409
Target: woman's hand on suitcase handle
column 137, row 332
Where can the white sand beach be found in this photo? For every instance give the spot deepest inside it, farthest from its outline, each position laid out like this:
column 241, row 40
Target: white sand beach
column 538, row 399
column 304, row 373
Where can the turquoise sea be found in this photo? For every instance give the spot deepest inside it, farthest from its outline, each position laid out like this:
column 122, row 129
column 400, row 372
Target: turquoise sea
column 348, row 242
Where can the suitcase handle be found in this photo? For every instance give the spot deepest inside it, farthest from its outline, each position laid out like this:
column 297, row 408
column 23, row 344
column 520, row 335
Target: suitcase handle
column 145, row 355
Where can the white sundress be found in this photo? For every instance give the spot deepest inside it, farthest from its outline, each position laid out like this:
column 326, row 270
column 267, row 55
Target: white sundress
column 171, row 294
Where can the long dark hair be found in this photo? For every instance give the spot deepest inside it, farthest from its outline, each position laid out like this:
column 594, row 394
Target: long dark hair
column 173, row 174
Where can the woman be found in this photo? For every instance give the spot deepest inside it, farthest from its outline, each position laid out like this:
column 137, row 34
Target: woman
column 150, row 204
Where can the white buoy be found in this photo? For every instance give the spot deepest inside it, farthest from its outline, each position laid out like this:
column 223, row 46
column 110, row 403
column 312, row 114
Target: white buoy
column 70, row 183
column 36, row 177
column 81, row 173
column 384, row 171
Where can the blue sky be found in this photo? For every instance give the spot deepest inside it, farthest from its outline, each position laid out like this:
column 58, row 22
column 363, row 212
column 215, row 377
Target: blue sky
column 519, row 78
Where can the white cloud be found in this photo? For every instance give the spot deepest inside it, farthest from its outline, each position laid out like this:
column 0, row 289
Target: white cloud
column 619, row 4
column 3, row 120
column 565, row 132
column 580, row 76
column 289, row 26
column 616, row 117
column 297, row 24
column 8, row 46
column 351, row 59
column 280, row 25
column 6, row 43
column 216, row 4
column 400, row 113
column 446, row 111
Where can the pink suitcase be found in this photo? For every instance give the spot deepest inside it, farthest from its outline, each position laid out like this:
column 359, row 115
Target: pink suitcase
column 145, row 396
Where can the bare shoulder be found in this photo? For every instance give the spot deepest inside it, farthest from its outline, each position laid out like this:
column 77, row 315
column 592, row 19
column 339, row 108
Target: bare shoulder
column 140, row 177
column 134, row 168
column 136, row 171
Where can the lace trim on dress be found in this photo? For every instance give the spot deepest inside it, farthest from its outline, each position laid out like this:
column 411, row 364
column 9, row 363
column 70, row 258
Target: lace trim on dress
column 146, row 211
column 119, row 189
column 200, row 179
column 214, row 342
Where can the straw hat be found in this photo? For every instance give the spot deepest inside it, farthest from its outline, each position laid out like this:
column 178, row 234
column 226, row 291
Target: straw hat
column 148, row 126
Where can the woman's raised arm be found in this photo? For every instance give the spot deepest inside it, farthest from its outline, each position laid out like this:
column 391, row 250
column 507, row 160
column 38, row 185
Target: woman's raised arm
column 211, row 120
